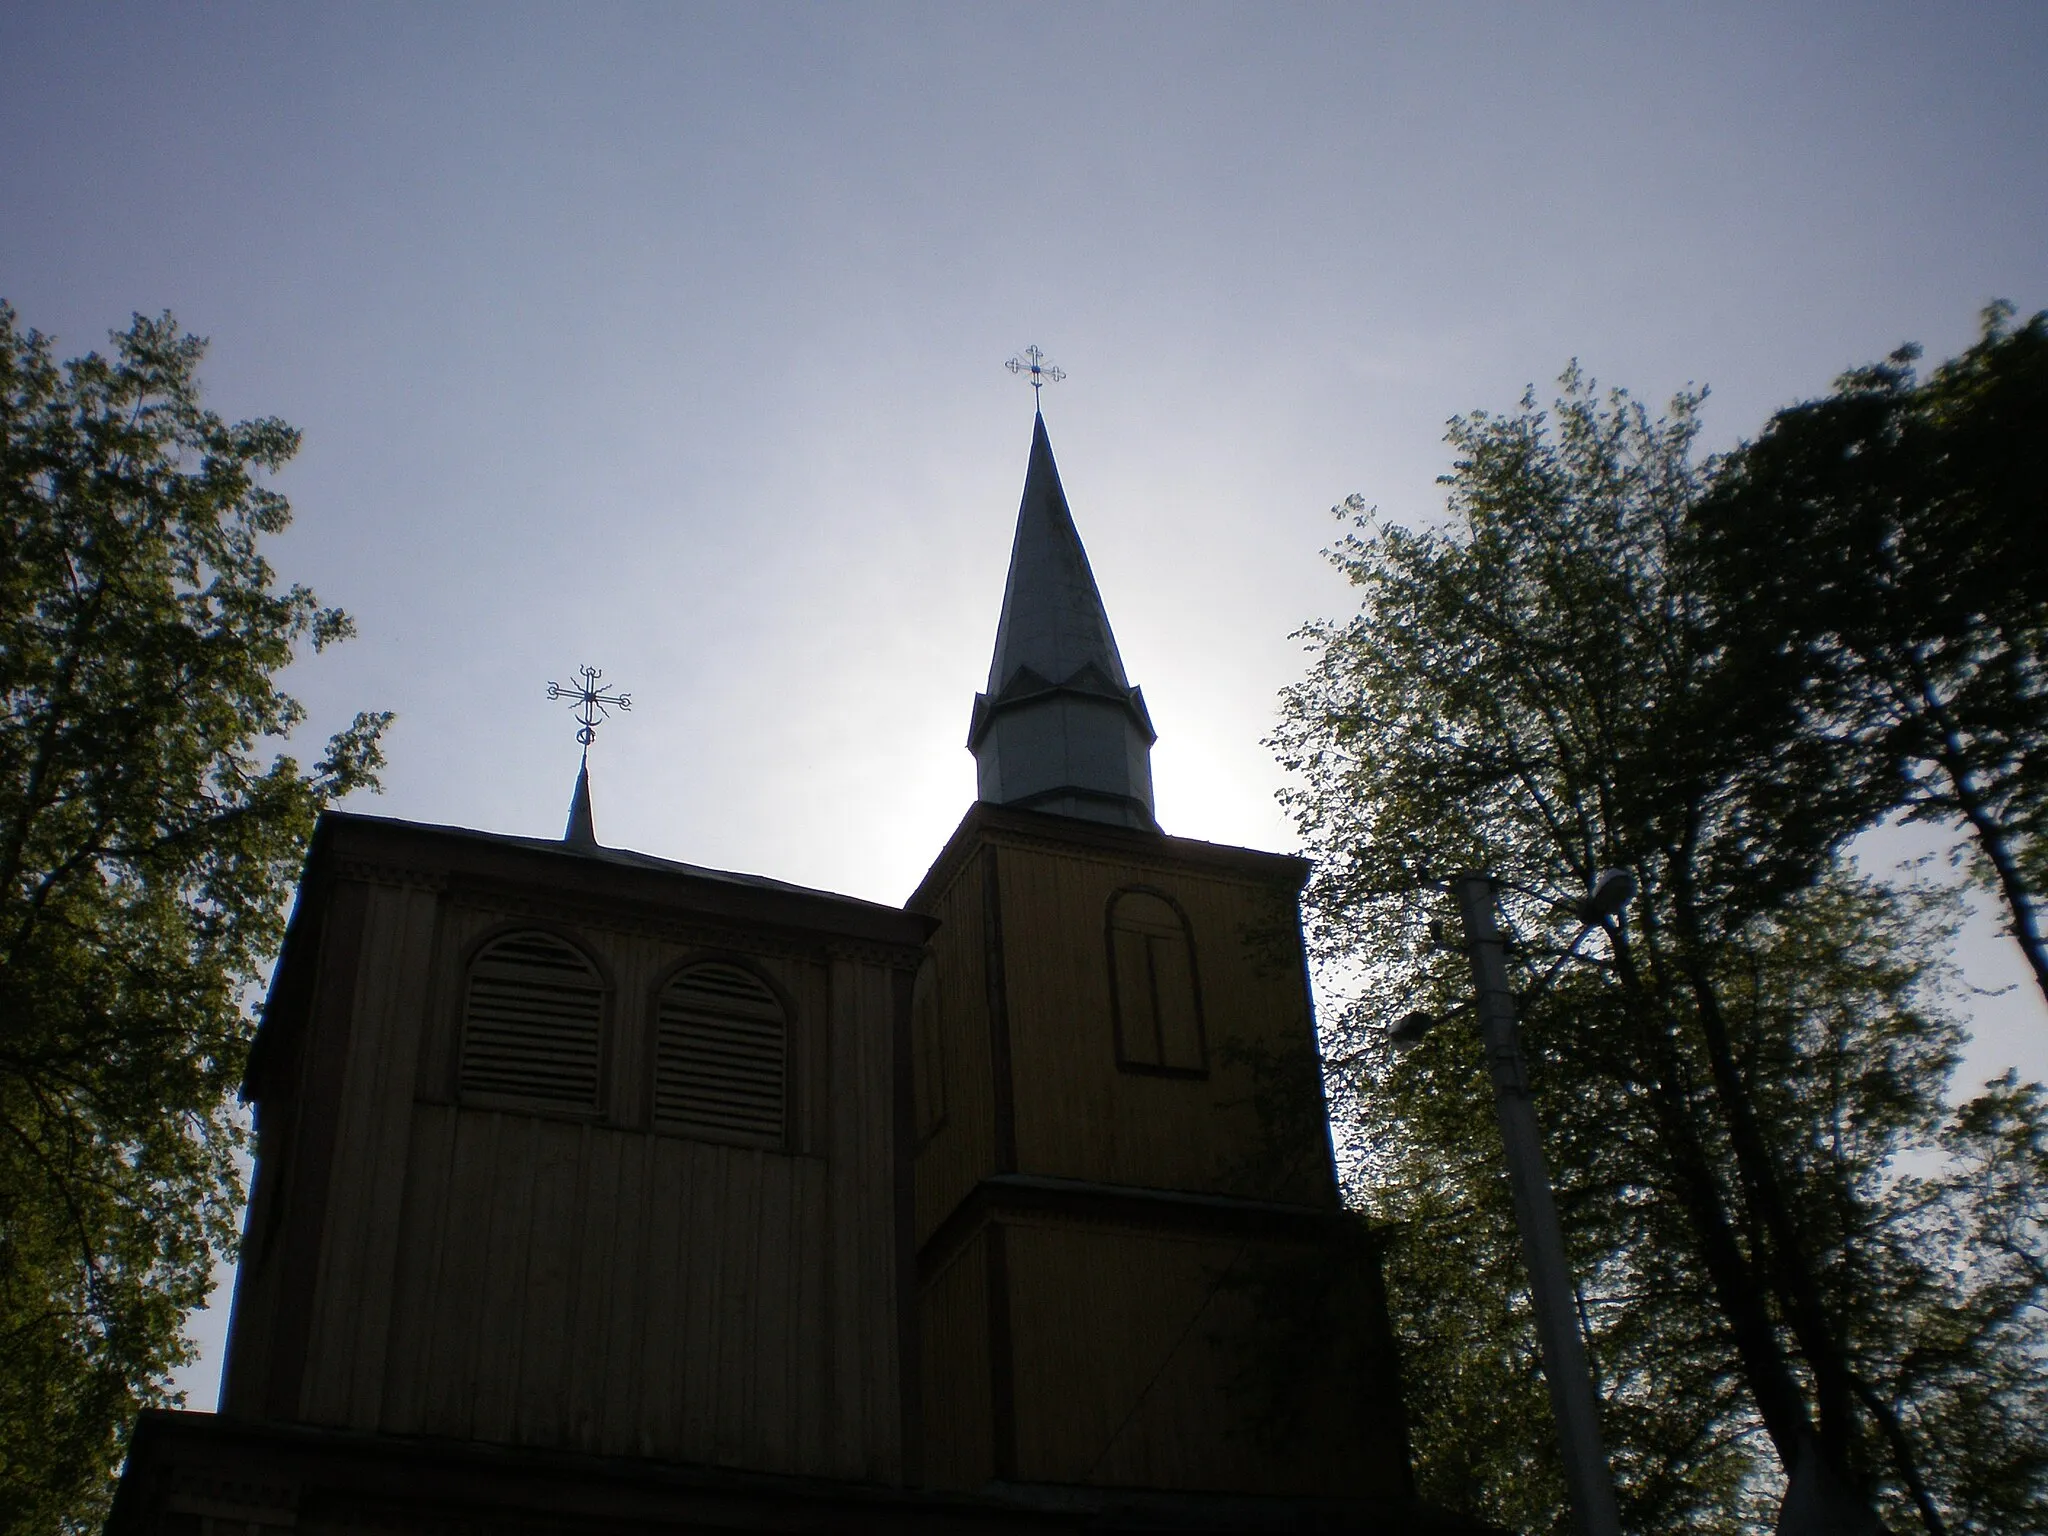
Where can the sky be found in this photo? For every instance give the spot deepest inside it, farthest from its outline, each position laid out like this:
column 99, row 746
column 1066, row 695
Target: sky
column 670, row 339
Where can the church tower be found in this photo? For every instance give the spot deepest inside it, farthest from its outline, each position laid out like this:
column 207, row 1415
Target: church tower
column 1124, row 1181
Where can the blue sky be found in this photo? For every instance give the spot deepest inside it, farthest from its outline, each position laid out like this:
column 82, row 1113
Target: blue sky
column 670, row 338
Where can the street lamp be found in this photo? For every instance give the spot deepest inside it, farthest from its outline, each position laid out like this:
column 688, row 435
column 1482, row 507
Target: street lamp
column 1612, row 890
column 1565, row 1371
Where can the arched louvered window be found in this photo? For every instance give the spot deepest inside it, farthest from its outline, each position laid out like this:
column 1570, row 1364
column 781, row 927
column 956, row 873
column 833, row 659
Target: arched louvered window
column 532, row 1024
column 721, row 1053
column 1156, row 1000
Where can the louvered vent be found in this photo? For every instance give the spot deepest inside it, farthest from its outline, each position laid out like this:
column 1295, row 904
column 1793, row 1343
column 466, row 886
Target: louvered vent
column 532, row 1023
column 720, row 1048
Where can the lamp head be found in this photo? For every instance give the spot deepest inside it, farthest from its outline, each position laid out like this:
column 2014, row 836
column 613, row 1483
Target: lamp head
column 1407, row 1031
column 1612, row 890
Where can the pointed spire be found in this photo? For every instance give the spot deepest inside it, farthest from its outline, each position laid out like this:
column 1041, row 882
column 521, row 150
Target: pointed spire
column 1060, row 727
column 1053, row 621
column 582, row 831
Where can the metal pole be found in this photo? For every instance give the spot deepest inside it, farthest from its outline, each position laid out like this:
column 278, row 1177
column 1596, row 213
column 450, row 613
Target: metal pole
column 1550, row 1282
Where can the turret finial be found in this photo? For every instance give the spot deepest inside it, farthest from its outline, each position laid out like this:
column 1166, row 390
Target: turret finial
column 593, row 704
column 1031, row 363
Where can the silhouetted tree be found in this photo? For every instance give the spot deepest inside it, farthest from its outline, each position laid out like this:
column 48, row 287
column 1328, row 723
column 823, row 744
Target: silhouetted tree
column 1543, row 689
column 146, row 852
column 1878, row 562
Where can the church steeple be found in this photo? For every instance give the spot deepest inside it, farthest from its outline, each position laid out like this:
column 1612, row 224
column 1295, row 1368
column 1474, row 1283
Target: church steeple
column 1060, row 728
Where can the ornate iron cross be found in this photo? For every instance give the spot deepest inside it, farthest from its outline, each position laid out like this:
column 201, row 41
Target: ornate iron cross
column 1032, row 362
column 593, row 704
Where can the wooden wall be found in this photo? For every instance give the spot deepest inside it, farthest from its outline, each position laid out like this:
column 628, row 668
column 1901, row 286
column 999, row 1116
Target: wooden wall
column 1039, row 1280
column 1092, row 1237
column 586, row 1283
column 962, row 1149
column 959, row 1432
column 612, row 1291
column 1078, row 1115
column 1032, row 1082
column 1165, row 1355
column 1136, row 1365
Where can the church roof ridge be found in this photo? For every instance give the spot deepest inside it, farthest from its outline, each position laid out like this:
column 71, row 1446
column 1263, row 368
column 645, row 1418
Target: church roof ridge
column 985, row 822
column 625, row 857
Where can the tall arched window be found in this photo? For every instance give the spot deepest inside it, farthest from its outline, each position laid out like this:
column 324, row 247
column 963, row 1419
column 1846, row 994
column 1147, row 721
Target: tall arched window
column 1154, row 994
column 721, row 1052
column 532, row 1024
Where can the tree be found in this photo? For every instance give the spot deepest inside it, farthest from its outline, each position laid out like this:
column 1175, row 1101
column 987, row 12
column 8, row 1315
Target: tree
column 1876, row 558
column 146, row 852
column 1542, row 689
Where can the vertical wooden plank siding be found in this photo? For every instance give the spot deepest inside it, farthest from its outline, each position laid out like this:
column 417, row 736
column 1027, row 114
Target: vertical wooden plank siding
column 734, row 1430
column 809, row 1374
column 1002, row 1353
column 866, row 1438
column 540, row 1414
column 1119, row 1367
column 588, row 1371
column 907, row 1342
column 581, row 1281
column 546, row 1279
column 500, row 1299
column 1078, row 1115
column 449, row 1373
column 679, row 1316
column 954, row 1312
column 364, row 1218
column 962, row 1149
column 629, row 1298
column 1089, row 1349
column 568, row 1284
column 774, row 1389
column 1001, row 1025
column 313, row 1170
column 422, row 1233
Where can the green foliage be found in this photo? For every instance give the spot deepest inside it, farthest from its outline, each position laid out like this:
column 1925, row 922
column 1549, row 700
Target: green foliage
column 1877, row 564
column 1543, row 688
column 146, row 851
column 1962, row 1258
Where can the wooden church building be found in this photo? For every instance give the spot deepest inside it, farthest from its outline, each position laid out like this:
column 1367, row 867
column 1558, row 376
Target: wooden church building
column 597, row 1192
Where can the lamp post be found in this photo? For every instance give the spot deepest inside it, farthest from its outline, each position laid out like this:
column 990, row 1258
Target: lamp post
column 1590, row 1484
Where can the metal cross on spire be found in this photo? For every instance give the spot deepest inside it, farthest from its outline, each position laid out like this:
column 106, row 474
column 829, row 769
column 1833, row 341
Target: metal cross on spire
column 593, row 704
column 1032, row 362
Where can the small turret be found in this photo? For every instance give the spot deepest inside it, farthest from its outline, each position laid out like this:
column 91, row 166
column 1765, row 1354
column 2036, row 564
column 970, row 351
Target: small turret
column 582, row 831
column 1060, row 728
column 593, row 704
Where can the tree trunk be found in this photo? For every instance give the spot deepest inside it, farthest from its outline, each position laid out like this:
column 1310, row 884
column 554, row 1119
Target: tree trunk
column 1773, row 1387
column 1784, row 1258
